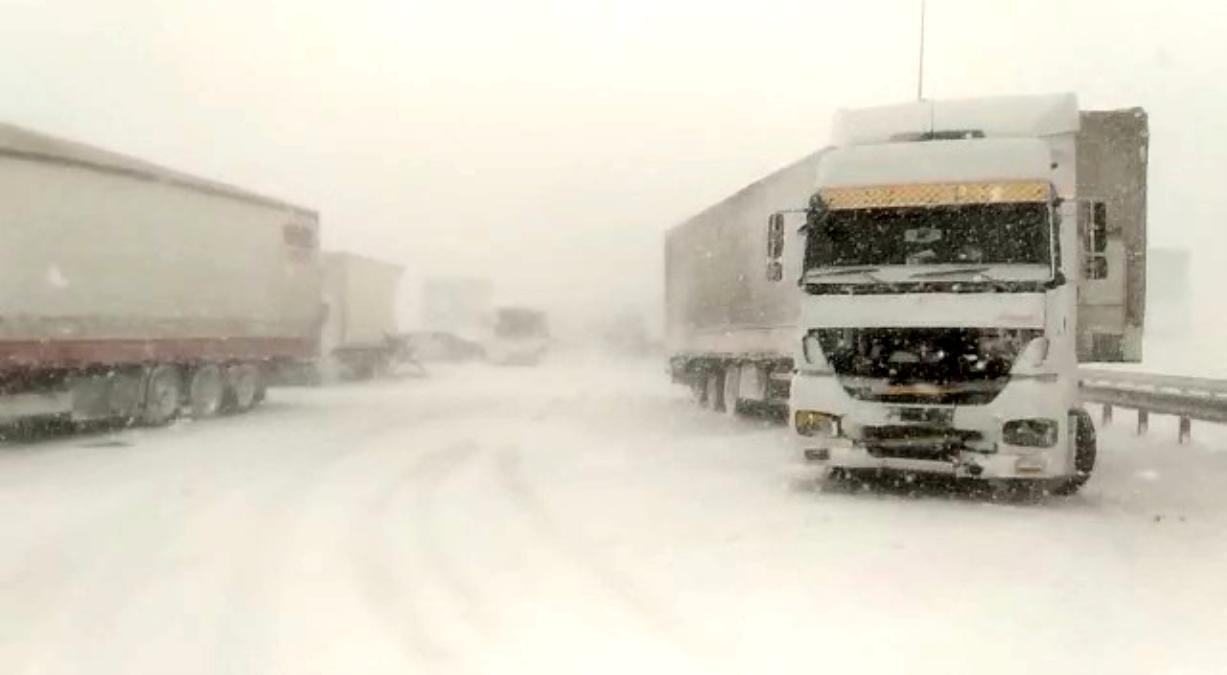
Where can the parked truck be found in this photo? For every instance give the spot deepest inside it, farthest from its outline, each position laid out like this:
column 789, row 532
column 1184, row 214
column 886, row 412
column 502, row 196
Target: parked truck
column 932, row 280
column 361, row 336
column 521, row 336
column 131, row 291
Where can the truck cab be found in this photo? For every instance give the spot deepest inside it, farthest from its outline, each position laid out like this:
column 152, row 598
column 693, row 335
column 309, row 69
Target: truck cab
column 942, row 260
column 521, row 336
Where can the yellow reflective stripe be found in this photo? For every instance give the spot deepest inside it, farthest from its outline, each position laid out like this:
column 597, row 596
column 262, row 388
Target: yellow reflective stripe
column 934, row 194
column 899, row 389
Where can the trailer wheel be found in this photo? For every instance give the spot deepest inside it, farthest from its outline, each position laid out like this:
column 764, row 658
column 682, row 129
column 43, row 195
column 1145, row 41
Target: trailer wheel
column 163, row 395
column 1085, row 450
column 714, row 397
column 242, row 387
column 205, row 391
column 126, row 394
column 262, row 379
column 698, row 392
column 731, row 390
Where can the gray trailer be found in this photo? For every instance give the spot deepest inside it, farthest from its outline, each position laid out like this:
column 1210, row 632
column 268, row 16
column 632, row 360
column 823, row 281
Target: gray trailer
column 720, row 307
column 129, row 291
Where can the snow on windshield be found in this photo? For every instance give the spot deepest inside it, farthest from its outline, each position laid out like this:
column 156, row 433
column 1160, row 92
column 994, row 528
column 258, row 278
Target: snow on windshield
column 1008, row 234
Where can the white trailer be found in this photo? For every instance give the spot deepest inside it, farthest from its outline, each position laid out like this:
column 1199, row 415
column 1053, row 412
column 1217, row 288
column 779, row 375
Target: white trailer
column 128, row 290
column 948, row 265
column 361, row 332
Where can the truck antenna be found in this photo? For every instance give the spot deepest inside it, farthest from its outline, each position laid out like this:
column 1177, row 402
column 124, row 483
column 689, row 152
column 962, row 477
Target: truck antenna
column 920, row 67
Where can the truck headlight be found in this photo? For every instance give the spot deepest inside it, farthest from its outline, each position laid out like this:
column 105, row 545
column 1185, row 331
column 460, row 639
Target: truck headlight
column 814, row 423
column 1030, row 433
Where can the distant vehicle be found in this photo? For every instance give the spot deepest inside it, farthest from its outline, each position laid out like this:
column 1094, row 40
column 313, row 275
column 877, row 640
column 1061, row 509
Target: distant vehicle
column 131, row 291
column 949, row 264
column 360, row 338
column 440, row 346
column 458, row 306
column 521, row 336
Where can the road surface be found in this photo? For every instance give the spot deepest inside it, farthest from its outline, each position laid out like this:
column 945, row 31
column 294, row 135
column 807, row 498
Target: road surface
column 581, row 517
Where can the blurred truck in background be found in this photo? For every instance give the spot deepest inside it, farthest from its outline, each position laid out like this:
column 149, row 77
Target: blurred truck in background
column 131, row 291
column 457, row 318
column 360, row 338
column 948, row 265
column 440, row 346
column 521, row 336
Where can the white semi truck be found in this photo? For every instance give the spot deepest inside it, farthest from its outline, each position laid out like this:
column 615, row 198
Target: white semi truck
column 932, row 281
column 131, row 291
column 361, row 336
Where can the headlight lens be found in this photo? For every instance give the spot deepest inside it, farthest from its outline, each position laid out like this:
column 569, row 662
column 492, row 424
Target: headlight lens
column 814, row 423
column 1031, row 433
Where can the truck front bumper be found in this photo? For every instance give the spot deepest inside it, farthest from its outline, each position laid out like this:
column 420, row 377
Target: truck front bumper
column 984, row 453
column 847, row 454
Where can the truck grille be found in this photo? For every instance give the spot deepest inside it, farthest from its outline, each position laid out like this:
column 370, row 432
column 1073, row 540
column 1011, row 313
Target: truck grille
column 933, row 366
column 906, row 441
column 951, row 393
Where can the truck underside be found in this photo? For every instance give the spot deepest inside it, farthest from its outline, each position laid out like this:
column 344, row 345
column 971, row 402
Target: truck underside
column 141, row 381
column 736, row 384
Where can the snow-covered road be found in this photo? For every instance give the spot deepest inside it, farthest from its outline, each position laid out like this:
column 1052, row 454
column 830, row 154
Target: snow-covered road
column 582, row 517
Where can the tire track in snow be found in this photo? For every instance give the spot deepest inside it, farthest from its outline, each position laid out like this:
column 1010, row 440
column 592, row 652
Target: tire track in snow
column 655, row 614
column 102, row 571
column 388, row 592
column 445, row 568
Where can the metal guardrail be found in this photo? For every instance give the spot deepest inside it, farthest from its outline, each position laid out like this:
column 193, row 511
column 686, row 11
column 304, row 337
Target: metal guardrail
column 1188, row 398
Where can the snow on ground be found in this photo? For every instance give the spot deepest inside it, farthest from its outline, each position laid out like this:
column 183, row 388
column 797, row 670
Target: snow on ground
column 583, row 517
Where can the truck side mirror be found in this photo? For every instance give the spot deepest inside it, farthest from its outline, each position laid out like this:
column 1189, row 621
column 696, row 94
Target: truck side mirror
column 775, row 246
column 1094, row 219
column 775, row 236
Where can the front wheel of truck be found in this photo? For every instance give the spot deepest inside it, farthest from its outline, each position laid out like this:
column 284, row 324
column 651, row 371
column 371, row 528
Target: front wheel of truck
column 1086, row 448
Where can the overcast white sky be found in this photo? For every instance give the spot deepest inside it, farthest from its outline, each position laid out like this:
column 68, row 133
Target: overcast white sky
column 548, row 144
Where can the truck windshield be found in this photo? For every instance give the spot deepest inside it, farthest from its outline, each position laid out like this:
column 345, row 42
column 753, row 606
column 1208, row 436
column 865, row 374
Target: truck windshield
column 967, row 234
column 520, row 324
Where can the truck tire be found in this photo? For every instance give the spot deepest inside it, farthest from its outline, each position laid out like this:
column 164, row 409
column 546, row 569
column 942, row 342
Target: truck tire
column 714, row 396
column 163, row 395
column 242, row 387
column 126, row 394
column 262, row 379
column 730, row 393
column 205, row 391
column 698, row 392
column 1085, row 451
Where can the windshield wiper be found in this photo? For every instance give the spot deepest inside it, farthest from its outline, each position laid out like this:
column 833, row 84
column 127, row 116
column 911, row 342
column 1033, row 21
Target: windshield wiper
column 981, row 271
column 847, row 271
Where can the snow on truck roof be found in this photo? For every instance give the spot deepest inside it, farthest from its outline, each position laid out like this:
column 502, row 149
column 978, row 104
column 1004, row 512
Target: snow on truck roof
column 342, row 258
column 988, row 159
column 1001, row 116
column 36, row 146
